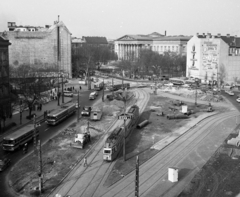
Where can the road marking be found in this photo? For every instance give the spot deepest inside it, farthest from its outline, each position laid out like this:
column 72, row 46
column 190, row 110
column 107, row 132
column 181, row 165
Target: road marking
column 46, row 129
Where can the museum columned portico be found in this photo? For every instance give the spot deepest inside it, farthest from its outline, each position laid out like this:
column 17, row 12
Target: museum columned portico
column 128, row 51
column 128, row 47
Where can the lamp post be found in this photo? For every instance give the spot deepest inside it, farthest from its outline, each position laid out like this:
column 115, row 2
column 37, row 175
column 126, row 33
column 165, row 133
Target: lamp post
column 20, row 110
column 124, row 133
column 103, row 92
column 62, row 88
column 78, row 112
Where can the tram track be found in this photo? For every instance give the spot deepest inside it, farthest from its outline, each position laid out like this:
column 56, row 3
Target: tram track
column 160, row 162
column 96, row 172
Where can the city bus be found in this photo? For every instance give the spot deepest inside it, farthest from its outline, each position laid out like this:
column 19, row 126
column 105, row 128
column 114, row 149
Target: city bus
column 98, row 85
column 18, row 138
column 176, row 81
column 61, row 113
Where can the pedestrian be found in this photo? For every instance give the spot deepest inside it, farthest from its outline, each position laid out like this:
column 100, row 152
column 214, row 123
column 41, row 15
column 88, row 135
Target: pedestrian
column 85, row 162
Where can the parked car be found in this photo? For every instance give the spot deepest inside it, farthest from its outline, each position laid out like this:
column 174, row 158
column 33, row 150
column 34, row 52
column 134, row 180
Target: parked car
column 92, row 95
column 230, row 93
column 238, row 100
column 4, row 163
column 86, row 111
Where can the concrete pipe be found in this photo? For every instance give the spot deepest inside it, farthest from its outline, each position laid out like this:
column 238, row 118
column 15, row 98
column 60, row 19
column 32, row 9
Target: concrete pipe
column 142, row 124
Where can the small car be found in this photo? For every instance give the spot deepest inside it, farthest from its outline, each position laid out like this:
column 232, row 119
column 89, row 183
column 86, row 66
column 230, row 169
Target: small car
column 238, row 100
column 4, row 163
column 231, row 93
column 86, row 111
column 92, row 95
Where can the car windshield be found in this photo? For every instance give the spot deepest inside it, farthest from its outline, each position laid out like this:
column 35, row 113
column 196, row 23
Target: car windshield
column 86, row 108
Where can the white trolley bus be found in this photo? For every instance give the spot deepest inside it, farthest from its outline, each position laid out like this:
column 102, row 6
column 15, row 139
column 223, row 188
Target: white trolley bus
column 18, row 138
column 60, row 114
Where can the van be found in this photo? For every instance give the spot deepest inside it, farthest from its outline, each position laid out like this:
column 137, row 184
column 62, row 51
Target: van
column 92, row 96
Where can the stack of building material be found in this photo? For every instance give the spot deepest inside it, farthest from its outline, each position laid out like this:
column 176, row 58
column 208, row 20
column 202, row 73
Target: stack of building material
column 234, row 141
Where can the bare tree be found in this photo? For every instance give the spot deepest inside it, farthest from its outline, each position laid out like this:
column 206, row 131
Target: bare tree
column 222, row 74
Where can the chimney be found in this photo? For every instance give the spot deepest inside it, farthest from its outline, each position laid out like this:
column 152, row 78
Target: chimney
column 197, row 34
column 219, row 35
column 203, row 34
column 11, row 26
column 228, row 35
column 165, row 33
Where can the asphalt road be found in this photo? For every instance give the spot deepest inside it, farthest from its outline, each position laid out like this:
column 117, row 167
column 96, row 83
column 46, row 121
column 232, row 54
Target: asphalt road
column 46, row 132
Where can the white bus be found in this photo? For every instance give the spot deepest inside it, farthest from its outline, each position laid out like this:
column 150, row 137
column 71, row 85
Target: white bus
column 176, row 81
column 61, row 113
column 98, row 85
column 18, row 138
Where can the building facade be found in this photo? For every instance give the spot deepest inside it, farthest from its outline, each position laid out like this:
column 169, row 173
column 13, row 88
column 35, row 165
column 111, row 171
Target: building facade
column 129, row 46
column 214, row 58
column 5, row 97
column 42, row 47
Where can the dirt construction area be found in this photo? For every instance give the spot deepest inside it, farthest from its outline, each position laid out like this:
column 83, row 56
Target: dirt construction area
column 59, row 156
column 142, row 141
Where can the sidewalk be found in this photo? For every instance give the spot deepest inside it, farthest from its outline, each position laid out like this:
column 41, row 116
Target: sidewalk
column 39, row 115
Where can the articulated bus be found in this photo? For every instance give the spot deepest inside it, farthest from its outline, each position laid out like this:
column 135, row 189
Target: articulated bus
column 18, row 138
column 98, row 85
column 60, row 114
column 176, row 81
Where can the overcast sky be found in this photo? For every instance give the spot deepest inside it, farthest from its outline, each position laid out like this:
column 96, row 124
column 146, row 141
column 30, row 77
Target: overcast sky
column 116, row 18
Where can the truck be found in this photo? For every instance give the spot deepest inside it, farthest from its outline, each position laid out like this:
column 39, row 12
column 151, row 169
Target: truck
column 86, row 111
column 96, row 113
column 81, row 139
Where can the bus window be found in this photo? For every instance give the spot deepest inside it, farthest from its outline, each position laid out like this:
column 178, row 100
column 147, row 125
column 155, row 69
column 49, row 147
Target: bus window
column 107, row 151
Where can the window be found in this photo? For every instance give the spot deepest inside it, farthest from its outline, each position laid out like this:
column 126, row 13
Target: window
column 168, row 48
column 165, row 48
column 161, row 48
column 172, row 48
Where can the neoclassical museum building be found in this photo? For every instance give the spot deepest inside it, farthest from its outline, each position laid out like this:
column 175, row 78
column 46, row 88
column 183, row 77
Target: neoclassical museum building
column 214, row 58
column 127, row 47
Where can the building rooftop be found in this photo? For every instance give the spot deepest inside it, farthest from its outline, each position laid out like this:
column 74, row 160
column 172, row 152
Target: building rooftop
column 230, row 40
column 95, row 40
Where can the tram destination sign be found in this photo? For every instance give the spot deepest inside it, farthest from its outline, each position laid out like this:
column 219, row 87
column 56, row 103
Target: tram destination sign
column 124, row 117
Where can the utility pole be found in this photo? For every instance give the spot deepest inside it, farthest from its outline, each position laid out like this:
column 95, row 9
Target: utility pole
column 137, row 178
column 40, row 166
column 112, row 86
column 78, row 110
column 59, row 57
column 196, row 93
column 124, row 133
column 103, row 92
column 122, row 80
column 62, row 89
column 35, row 132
